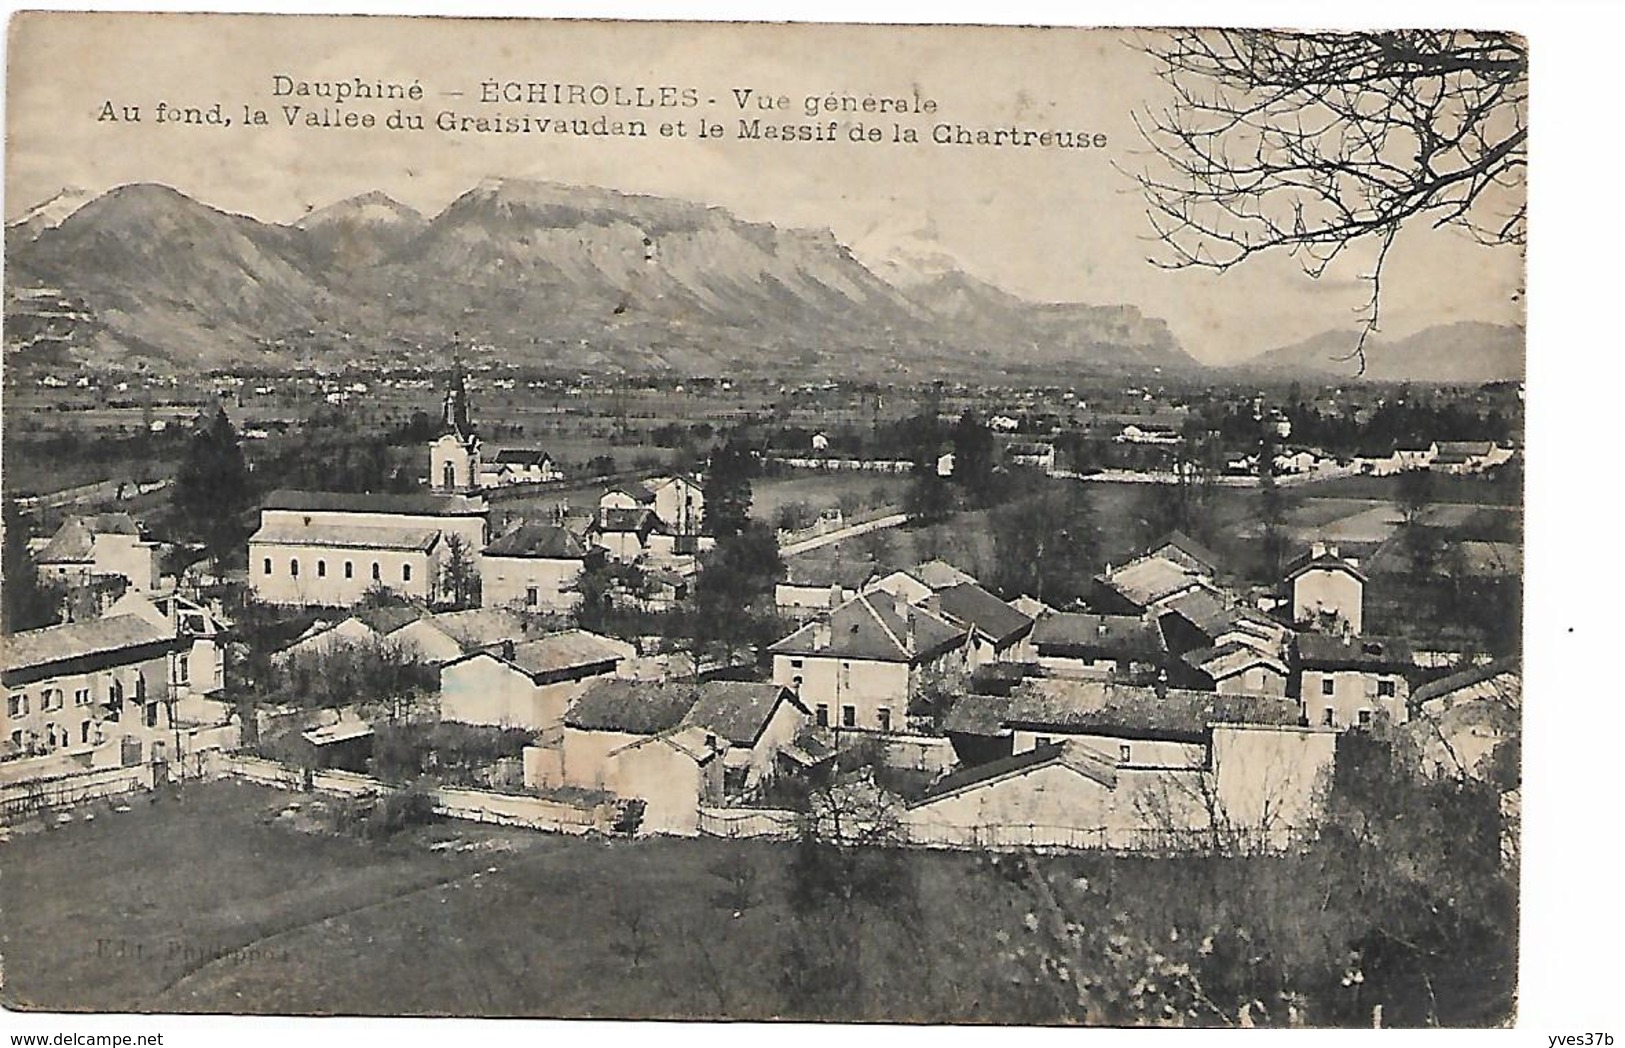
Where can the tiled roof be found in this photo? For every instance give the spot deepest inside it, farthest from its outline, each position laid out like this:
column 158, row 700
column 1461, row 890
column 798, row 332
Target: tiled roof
column 1454, row 452
column 1199, row 555
column 1078, row 759
column 939, row 574
column 1132, row 711
column 1465, row 679
column 1151, row 579
column 848, row 574
column 1323, row 562
column 1229, row 659
column 559, row 653
column 521, row 457
column 737, row 710
column 1323, row 651
column 1206, row 610
column 633, row 707
column 478, row 627
column 33, row 649
column 72, row 543
column 345, row 502
column 639, row 492
column 344, row 536
column 550, row 541
column 1109, row 636
column 972, row 604
column 872, row 626
column 384, row 621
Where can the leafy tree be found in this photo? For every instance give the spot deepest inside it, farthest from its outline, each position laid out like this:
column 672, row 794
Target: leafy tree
column 460, row 574
column 973, row 456
column 1308, row 143
column 212, row 492
column 727, row 488
column 928, row 500
column 734, row 604
column 1045, row 545
column 29, row 601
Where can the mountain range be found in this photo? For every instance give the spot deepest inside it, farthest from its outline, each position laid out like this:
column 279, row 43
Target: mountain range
column 1463, row 353
column 526, row 272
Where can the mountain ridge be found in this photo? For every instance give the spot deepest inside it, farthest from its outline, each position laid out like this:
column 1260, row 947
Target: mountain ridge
column 544, row 273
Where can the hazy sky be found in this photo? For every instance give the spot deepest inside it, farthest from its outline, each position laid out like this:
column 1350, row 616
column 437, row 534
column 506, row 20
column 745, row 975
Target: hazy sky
column 1055, row 224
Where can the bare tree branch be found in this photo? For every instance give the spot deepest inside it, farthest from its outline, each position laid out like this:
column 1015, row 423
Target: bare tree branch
column 1308, row 143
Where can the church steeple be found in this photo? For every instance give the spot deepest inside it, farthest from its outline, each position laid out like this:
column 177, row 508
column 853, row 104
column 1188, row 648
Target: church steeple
column 454, row 456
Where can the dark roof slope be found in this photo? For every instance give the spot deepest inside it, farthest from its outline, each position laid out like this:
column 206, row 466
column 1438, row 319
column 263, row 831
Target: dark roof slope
column 1130, row 711
column 416, row 504
column 1323, row 651
column 1076, row 634
column 1465, row 679
column 738, row 710
column 872, row 626
column 1324, row 562
column 1196, row 555
column 35, row 650
column 521, row 457
column 970, row 603
column 632, row 707
column 549, row 541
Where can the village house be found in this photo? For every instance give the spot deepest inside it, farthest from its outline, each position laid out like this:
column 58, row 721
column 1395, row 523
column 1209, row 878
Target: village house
column 366, row 627
column 753, row 723
column 103, row 546
column 1416, row 456
column 1468, row 456
column 677, row 503
column 1231, row 668
column 1326, row 591
column 327, row 549
column 90, row 693
column 1145, row 583
column 1349, row 681
column 860, row 666
column 1031, row 456
column 919, row 582
column 535, row 567
column 1461, row 720
column 200, row 661
column 1076, row 644
column 518, row 466
column 437, row 639
column 808, row 591
column 526, row 684
column 1104, row 766
column 998, row 632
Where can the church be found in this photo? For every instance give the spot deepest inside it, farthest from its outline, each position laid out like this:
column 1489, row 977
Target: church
column 454, row 456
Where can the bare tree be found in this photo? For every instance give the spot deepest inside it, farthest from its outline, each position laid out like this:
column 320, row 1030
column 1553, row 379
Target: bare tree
column 1311, row 142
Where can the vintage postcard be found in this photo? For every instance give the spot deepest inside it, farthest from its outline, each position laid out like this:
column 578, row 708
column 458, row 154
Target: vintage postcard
column 849, row 523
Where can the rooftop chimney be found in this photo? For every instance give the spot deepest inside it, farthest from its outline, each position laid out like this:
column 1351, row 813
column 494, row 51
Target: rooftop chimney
column 507, row 650
column 821, row 633
column 1317, row 548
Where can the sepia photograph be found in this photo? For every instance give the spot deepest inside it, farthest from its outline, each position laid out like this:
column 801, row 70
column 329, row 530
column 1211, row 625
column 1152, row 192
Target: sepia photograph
column 742, row 521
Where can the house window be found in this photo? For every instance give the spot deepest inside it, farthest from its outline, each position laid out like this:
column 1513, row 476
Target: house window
column 1328, row 717
column 152, row 714
column 349, row 569
column 1041, row 740
column 16, row 705
column 267, row 565
column 795, row 684
column 81, row 697
column 84, row 732
column 1327, row 685
column 849, row 716
column 883, row 715
column 448, row 476
column 377, row 572
column 183, row 670
column 293, row 568
column 115, row 693
column 846, row 676
column 1365, row 718
column 50, row 699
column 141, row 687
column 1385, row 689
column 795, row 664
column 321, row 569
column 1125, row 753
column 823, row 715
column 406, row 573
column 531, row 597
